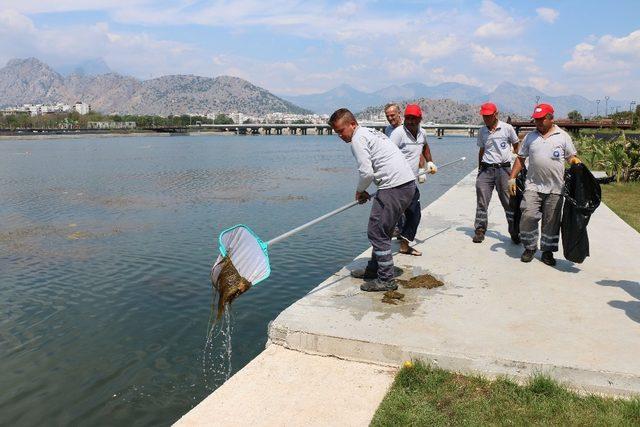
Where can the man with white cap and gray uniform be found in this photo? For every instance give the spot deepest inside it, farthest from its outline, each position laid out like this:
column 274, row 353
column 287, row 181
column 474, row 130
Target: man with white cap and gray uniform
column 497, row 141
column 547, row 148
column 381, row 162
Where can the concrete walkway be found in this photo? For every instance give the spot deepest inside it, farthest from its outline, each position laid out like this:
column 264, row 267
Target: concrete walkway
column 282, row 387
column 495, row 315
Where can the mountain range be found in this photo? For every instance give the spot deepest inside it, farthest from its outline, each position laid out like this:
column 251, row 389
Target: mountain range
column 507, row 96
column 32, row 81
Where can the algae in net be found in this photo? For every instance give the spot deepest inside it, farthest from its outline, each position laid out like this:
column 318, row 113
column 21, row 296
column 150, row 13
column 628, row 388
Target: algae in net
column 229, row 284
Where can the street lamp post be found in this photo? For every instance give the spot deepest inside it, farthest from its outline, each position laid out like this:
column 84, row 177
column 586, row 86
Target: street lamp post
column 631, row 104
column 537, row 99
column 606, row 106
column 597, row 107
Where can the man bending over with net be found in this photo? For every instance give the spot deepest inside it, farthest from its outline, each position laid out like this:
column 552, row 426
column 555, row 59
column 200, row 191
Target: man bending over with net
column 381, row 162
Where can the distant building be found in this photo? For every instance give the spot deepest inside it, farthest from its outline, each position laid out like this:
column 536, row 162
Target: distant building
column 111, row 125
column 82, row 108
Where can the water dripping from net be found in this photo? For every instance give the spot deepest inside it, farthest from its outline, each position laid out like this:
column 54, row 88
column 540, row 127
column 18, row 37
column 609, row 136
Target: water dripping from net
column 216, row 357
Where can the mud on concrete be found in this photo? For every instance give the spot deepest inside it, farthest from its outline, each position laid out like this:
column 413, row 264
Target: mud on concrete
column 392, row 297
column 421, row 281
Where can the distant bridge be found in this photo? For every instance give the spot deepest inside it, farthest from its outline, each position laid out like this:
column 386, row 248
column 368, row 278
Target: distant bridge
column 572, row 126
column 319, row 128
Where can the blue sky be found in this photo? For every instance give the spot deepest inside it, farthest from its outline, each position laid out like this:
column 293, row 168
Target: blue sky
column 296, row 47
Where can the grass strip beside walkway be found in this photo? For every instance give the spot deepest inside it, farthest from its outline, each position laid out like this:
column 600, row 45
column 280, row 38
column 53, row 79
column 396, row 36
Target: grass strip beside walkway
column 421, row 395
column 624, row 200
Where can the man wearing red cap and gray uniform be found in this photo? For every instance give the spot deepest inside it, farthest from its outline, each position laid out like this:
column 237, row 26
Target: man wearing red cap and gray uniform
column 547, row 148
column 412, row 141
column 381, row 162
column 497, row 141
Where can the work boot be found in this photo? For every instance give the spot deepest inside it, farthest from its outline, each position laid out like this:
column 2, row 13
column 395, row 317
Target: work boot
column 379, row 285
column 364, row 273
column 479, row 236
column 527, row 255
column 547, row 258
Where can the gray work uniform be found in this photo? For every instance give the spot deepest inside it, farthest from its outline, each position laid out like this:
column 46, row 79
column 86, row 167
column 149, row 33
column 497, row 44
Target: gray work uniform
column 542, row 197
column 494, row 172
column 412, row 149
column 382, row 162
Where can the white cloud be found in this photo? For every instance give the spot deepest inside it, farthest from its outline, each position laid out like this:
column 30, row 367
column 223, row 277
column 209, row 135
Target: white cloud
column 501, row 24
column 485, row 57
column 606, row 65
column 441, row 75
column 132, row 53
column 430, row 48
column 628, row 46
column 402, row 68
column 608, row 54
column 545, row 85
column 547, row 14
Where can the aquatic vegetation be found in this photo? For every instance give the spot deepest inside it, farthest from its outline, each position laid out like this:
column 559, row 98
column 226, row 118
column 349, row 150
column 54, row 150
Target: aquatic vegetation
column 229, row 284
column 619, row 156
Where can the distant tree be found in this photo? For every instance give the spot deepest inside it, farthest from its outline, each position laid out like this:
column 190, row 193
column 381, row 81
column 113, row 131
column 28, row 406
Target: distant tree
column 574, row 116
column 222, row 119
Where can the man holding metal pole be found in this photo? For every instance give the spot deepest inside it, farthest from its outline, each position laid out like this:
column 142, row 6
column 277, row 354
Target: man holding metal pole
column 382, row 163
column 547, row 148
column 412, row 141
column 497, row 141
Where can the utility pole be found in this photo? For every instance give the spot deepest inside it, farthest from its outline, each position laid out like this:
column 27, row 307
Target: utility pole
column 537, row 99
column 597, row 107
column 606, row 106
column 631, row 104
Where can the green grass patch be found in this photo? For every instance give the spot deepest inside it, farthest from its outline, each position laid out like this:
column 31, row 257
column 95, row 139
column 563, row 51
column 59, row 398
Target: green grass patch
column 425, row 396
column 624, row 200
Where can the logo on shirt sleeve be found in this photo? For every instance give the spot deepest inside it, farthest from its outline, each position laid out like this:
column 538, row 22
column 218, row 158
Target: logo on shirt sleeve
column 556, row 154
column 503, row 145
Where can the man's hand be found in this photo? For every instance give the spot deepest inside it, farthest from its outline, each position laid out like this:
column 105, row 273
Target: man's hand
column 422, row 176
column 431, row 168
column 362, row 197
column 574, row 160
column 512, row 186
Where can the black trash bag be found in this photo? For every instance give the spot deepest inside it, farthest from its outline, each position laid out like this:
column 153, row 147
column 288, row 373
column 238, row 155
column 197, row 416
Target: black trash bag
column 582, row 196
column 514, row 204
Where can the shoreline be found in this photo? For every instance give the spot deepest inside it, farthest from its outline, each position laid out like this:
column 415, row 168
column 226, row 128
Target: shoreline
column 45, row 136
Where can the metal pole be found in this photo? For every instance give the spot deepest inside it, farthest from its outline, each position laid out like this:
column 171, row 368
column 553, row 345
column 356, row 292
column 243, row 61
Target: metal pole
column 606, row 106
column 332, row 213
column 597, row 107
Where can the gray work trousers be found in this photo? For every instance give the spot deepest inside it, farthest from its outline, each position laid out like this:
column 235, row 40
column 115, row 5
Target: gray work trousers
column 536, row 206
column 488, row 179
column 388, row 205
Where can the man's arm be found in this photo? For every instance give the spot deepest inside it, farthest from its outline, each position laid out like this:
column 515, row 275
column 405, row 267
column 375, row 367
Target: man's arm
column 517, row 167
column 480, row 154
column 571, row 151
column 514, row 140
column 365, row 168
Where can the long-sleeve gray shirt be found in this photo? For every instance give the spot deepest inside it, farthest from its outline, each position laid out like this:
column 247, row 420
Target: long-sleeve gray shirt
column 379, row 160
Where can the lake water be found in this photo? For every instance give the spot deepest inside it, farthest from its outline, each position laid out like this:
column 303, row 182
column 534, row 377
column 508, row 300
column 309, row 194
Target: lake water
column 105, row 250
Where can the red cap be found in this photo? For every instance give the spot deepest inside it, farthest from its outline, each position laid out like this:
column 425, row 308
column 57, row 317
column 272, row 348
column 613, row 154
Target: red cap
column 413, row 110
column 542, row 110
column 488, row 108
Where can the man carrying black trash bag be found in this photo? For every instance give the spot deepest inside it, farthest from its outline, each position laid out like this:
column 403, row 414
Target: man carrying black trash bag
column 581, row 198
column 547, row 148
